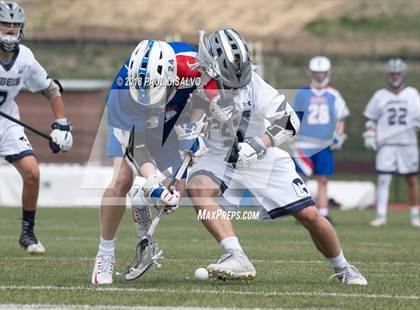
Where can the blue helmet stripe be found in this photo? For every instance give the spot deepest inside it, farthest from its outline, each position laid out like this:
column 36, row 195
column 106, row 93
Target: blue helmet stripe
column 142, row 73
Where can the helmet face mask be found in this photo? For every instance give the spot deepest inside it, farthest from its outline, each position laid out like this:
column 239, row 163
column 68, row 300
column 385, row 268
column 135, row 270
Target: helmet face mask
column 12, row 22
column 10, row 36
column 233, row 57
column 152, row 73
column 395, row 69
column 320, row 71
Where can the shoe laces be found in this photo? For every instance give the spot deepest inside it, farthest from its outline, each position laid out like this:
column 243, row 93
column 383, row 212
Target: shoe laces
column 345, row 274
column 105, row 264
column 224, row 257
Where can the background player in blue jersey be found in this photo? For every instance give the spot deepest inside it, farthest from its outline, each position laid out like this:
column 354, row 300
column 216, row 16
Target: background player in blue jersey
column 145, row 101
column 322, row 110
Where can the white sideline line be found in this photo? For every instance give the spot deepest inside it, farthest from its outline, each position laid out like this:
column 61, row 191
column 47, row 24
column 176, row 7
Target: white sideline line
column 276, row 261
column 101, row 307
column 376, row 244
column 215, row 292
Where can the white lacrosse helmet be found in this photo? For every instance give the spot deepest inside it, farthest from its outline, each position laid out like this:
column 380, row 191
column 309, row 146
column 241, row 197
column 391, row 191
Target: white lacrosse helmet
column 152, row 73
column 320, row 64
column 12, row 14
column 395, row 65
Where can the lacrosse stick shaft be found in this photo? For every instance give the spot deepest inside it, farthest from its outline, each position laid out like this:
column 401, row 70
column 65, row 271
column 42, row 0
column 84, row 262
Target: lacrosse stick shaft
column 155, row 222
column 19, row 122
column 178, row 176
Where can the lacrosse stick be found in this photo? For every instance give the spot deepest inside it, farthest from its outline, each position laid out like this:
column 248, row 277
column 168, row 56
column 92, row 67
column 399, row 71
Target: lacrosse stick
column 146, row 253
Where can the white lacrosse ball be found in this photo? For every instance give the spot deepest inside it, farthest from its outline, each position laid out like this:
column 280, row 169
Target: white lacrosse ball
column 201, row 274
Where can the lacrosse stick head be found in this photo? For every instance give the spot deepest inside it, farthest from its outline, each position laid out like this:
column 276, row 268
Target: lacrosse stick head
column 145, row 256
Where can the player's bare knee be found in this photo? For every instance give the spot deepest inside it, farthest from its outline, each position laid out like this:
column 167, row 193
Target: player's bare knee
column 309, row 216
column 122, row 186
column 322, row 181
column 31, row 175
column 412, row 181
column 196, row 192
column 199, row 186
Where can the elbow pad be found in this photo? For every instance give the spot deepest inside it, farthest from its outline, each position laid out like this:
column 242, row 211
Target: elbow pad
column 283, row 128
column 53, row 90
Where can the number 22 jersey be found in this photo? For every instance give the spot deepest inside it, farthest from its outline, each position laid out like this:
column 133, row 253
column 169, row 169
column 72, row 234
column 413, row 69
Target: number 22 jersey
column 396, row 115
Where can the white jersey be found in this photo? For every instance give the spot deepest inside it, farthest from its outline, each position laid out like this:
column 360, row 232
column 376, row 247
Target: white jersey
column 256, row 106
column 397, row 116
column 24, row 71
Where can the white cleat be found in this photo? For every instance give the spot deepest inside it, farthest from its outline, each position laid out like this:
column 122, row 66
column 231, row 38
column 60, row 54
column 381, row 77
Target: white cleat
column 350, row 276
column 36, row 249
column 379, row 221
column 230, row 266
column 103, row 269
column 415, row 221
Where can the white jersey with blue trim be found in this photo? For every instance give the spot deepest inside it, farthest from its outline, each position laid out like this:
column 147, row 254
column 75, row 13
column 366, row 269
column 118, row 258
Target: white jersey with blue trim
column 397, row 116
column 256, row 106
column 320, row 110
column 23, row 71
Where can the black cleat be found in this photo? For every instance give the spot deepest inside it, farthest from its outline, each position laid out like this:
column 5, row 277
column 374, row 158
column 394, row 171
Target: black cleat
column 29, row 241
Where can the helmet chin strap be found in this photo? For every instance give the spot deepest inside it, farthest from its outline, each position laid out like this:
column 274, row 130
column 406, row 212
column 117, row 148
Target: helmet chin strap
column 320, row 84
column 9, row 42
column 397, row 83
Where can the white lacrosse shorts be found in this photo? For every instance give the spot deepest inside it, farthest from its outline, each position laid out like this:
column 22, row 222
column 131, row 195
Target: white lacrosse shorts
column 398, row 159
column 14, row 143
column 273, row 181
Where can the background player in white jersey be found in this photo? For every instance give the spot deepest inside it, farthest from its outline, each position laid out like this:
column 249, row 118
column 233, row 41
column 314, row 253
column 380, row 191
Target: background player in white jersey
column 265, row 121
column 393, row 118
column 322, row 111
column 19, row 69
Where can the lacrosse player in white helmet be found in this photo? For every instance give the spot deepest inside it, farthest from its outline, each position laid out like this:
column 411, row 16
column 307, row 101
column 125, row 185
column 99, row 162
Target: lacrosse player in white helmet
column 323, row 111
column 19, row 69
column 145, row 102
column 263, row 121
column 393, row 115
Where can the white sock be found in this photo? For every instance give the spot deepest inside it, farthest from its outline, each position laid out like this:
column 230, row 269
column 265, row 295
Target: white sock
column 106, row 247
column 338, row 262
column 323, row 211
column 414, row 211
column 384, row 180
column 230, row 244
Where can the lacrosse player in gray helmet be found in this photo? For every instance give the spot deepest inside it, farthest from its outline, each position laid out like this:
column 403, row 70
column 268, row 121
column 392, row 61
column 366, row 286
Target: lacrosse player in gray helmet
column 19, row 68
column 393, row 117
column 263, row 121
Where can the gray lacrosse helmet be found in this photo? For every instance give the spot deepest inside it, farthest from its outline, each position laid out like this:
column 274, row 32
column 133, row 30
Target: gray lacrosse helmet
column 395, row 65
column 232, row 55
column 11, row 13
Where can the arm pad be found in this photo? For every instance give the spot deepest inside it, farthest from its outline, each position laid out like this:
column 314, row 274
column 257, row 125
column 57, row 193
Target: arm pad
column 52, row 91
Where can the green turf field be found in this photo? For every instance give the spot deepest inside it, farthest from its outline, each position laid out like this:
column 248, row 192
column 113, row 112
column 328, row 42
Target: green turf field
column 290, row 273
